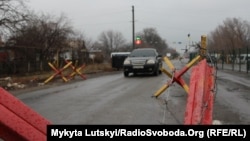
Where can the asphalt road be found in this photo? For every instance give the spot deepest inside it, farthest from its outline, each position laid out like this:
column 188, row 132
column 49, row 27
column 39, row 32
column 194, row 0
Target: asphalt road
column 114, row 99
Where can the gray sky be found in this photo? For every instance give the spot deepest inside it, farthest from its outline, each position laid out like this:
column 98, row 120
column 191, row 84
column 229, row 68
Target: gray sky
column 173, row 19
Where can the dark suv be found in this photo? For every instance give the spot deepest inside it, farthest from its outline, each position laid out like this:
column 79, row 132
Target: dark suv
column 143, row 60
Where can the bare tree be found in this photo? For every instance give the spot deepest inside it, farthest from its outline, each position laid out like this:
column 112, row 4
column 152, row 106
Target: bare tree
column 77, row 40
column 43, row 34
column 151, row 38
column 41, row 37
column 111, row 41
column 231, row 35
column 84, row 41
column 230, row 39
column 13, row 14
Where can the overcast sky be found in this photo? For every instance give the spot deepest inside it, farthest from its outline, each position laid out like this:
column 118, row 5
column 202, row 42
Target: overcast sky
column 173, row 19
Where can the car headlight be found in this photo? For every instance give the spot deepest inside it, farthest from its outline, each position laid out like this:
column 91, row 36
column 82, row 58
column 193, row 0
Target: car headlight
column 126, row 62
column 151, row 61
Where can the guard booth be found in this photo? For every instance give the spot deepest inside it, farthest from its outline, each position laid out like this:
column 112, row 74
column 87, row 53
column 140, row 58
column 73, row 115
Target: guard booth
column 117, row 59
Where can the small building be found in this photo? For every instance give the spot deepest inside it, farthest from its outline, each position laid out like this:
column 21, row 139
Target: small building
column 95, row 54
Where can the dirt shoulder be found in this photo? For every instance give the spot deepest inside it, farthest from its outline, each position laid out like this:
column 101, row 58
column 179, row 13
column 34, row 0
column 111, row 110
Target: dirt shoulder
column 22, row 83
column 39, row 84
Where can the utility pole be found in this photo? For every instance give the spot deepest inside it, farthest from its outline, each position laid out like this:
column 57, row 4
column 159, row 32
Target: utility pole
column 188, row 41
column 133, row 27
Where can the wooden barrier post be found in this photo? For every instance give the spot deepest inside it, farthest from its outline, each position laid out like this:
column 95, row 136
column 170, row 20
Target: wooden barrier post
column 18, row 122
column 77, row 71
column 57, row 72
column 176, row 76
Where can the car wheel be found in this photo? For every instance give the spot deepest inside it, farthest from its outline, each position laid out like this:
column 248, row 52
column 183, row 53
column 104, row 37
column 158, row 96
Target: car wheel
column 156, row 73
column 160, row 72
column 126, row 73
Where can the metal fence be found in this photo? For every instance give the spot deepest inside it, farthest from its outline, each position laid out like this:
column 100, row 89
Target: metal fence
column 238, row 60
column 21, row 67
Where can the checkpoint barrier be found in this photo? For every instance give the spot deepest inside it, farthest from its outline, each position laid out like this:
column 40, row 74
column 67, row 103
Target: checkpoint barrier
column 57, row 72
column 200, row 99
column 176, row 76
column 76, row 71
column 18, row 122
column 200, row 95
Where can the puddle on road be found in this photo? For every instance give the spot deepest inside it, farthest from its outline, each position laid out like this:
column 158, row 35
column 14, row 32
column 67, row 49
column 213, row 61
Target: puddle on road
column 233, row 89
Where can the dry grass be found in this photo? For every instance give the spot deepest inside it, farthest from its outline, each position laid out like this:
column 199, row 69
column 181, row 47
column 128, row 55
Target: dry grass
column 29, row 80
column 97, row 68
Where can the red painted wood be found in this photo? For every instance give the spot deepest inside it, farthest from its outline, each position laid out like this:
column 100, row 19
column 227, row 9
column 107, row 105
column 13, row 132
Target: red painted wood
column 199, row 108
column 19, row 118
column 17, row 128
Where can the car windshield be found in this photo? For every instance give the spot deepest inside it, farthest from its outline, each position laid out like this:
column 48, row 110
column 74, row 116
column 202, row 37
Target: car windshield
column 143, row 53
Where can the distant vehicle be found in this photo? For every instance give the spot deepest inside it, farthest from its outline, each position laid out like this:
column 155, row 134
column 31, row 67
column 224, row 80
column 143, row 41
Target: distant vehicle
column 117, row 59
column 243, row 58
column 143, row 60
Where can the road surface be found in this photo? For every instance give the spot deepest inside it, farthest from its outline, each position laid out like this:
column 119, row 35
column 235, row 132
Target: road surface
column 114, row 99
